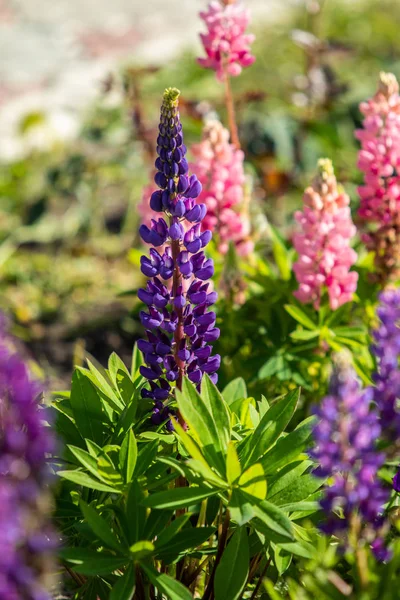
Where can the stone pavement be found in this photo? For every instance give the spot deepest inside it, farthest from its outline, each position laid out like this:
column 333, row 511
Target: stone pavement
column 54, row 53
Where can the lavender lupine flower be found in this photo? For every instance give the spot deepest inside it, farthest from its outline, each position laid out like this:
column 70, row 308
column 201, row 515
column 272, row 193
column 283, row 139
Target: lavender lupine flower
column 345, row 437
column 26, row 540
column 179, row 325
column 386, row 348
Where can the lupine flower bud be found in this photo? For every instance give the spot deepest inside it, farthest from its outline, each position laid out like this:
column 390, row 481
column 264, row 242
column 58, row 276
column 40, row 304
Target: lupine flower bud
column 219, row 166
column 379, row 160
column 345, row 437
column 386, row 348
column 226, row 44
column 178, row 322
column 323, row 245
column 26, row 540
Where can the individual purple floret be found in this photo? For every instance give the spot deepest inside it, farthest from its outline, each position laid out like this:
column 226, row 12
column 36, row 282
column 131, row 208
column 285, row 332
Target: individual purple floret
column 345, row 448
column 26, row 540
column 179, row 325
column 386, row 348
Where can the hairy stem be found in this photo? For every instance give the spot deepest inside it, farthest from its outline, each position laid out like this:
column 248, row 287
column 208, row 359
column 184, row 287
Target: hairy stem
column 259, row 582
column 209, row 593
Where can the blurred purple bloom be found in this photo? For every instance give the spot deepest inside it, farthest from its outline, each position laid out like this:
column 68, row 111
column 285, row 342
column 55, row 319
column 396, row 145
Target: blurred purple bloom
column 345, row 449
column 26, row 541
column 386, row 348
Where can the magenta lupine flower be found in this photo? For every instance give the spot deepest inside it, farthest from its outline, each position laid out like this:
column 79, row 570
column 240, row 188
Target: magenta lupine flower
column 226, row 44
column 219, row 167
column 386, row 348
column 345, row 449
column 179, row 325
column 26, row 540
column 379, row 159
column 323, row 245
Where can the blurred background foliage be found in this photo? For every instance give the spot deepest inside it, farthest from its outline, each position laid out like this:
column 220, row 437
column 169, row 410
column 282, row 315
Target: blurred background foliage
column 69, row 249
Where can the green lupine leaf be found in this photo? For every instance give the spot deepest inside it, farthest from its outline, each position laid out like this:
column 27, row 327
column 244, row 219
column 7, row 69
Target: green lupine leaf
column 178, row 497
column 140, row 550
column 269, row 428
column 107, row 393
column 233, row 468
column 128, row 456
column 300, row 316
column 81, row 478
column 173, row 589
column 241, row 507
column 185, row 540
column 100, row 527
column 90, row 562
column 274, row 519
column 167, row 534
column 288, row 448
column 87, row 407
column 202, row 424
column 233, row 569
column 124, row 588
column 235, row 390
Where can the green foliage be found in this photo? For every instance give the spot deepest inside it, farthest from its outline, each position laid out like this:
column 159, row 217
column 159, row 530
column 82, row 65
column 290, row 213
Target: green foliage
column 135, row 504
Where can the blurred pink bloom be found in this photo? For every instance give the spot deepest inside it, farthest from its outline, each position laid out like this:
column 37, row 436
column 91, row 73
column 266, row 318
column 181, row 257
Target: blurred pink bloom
column 323, row 245
column 219, row 168
column 379, row 157
column 226, row 41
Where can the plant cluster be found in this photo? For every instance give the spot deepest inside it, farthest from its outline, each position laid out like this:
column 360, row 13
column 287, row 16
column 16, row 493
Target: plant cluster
column 249, row 451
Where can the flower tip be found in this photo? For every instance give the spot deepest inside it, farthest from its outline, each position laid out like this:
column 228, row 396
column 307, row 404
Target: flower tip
column 388, row 85
column 325, row 167
column 171, row 96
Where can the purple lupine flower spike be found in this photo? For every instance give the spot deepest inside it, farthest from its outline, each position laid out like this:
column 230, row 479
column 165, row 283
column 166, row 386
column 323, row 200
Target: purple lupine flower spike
column 386, row 348
column 345, row 449
column 179, row 325
column 26, row 540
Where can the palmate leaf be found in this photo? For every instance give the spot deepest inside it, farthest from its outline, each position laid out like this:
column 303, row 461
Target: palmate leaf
column 90, row 463
column 233, row 569
column 108, row 394
column 269, row 429
column 100, row 527
column 288, row 448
